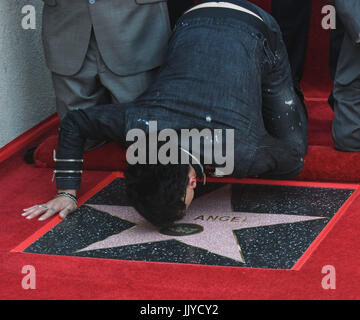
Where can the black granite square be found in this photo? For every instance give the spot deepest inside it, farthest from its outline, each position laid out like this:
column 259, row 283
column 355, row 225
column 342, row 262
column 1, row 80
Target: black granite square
column 307, row 201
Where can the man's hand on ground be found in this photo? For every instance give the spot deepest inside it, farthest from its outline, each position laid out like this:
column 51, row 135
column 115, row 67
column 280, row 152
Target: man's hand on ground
column 62, row 205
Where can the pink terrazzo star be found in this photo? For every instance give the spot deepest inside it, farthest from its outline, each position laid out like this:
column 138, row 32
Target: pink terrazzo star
column 212, row 211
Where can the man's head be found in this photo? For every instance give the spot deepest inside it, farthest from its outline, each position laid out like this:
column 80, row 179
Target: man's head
column 161, row 193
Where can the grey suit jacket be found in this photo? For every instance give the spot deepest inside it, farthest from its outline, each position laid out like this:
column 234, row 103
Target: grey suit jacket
column 131, row 34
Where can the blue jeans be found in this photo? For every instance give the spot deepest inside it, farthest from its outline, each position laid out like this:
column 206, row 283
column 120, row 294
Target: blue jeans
column 234, row 68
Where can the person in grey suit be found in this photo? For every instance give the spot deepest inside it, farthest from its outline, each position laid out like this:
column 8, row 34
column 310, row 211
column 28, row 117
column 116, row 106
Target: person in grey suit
column 103, row 51
column 346, row 91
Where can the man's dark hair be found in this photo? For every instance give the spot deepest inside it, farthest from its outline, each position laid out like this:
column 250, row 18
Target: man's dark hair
column 156, row 191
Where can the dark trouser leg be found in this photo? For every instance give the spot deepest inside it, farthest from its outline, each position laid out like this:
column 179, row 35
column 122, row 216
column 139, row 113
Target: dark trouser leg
column 285, row 115
column 336, row 40
column 282, row 151
column 346, row 123
column 294, row 17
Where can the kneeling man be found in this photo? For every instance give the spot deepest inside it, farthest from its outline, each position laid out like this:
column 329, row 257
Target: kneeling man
column 227, row 71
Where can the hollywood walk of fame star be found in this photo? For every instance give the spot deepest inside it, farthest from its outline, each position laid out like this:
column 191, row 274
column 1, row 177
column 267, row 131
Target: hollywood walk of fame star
column 212, row 211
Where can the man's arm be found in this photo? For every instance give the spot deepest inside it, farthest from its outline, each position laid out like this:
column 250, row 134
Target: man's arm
column 99, row 122
column 96, row 123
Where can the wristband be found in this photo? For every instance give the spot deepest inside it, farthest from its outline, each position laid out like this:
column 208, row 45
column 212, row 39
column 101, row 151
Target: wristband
column 69, row 195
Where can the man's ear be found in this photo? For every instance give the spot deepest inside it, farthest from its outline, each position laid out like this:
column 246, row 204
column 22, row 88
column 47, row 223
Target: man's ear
column 192, row 182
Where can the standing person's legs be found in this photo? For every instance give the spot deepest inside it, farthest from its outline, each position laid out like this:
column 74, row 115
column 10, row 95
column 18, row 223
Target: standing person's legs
column 83, row 89
column 95, row 84
column 124, row 89
column 336, row 40
column 346, row 123
column 293, row 17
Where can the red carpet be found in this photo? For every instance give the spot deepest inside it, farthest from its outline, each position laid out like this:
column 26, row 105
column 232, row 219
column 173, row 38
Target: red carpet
column 59, row 277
